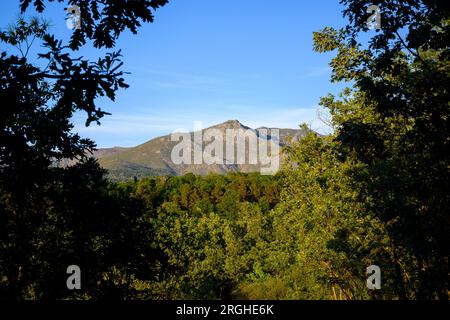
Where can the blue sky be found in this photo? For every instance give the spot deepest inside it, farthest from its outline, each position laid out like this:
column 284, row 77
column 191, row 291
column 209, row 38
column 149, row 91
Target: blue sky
column 211, row 61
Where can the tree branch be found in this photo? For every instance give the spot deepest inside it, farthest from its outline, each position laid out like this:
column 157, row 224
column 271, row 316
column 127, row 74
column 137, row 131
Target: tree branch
column 415, row 54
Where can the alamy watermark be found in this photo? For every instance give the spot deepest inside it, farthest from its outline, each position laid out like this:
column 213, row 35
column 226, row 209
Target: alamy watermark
column 374, row 279
column 231, row 146
column 73, row 20
column 374, row 20
column 74, row 280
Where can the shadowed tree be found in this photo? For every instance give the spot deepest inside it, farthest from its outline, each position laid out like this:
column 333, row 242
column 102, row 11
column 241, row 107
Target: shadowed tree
column 395, row 124
column 103, row 21
column 36, row 132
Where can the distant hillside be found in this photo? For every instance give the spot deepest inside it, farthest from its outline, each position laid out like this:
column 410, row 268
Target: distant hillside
column 154, row 156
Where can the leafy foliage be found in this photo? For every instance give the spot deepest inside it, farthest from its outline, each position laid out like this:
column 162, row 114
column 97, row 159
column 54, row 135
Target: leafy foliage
column 373, row 192
column 50, row 216
column 104, row 21
column 394, row 125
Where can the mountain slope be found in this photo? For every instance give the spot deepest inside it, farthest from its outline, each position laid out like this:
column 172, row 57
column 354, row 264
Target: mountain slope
column 154, row 156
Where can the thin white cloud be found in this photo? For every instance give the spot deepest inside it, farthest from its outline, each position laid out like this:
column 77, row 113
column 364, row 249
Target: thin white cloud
column 124, row 123
column 133, row 129
column 315, row 73
column 178, row 80
column 288, row 118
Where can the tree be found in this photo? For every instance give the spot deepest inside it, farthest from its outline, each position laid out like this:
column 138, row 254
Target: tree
column 36, row 133
column 320, row 239
column 104, row 21
column 394, row 124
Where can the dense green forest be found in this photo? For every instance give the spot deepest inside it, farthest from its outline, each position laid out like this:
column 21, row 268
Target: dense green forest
column 375, row 191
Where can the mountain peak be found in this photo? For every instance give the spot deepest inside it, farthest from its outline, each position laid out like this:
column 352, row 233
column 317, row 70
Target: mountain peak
column 233, row 121
column 154, row 157
column 231, row 124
